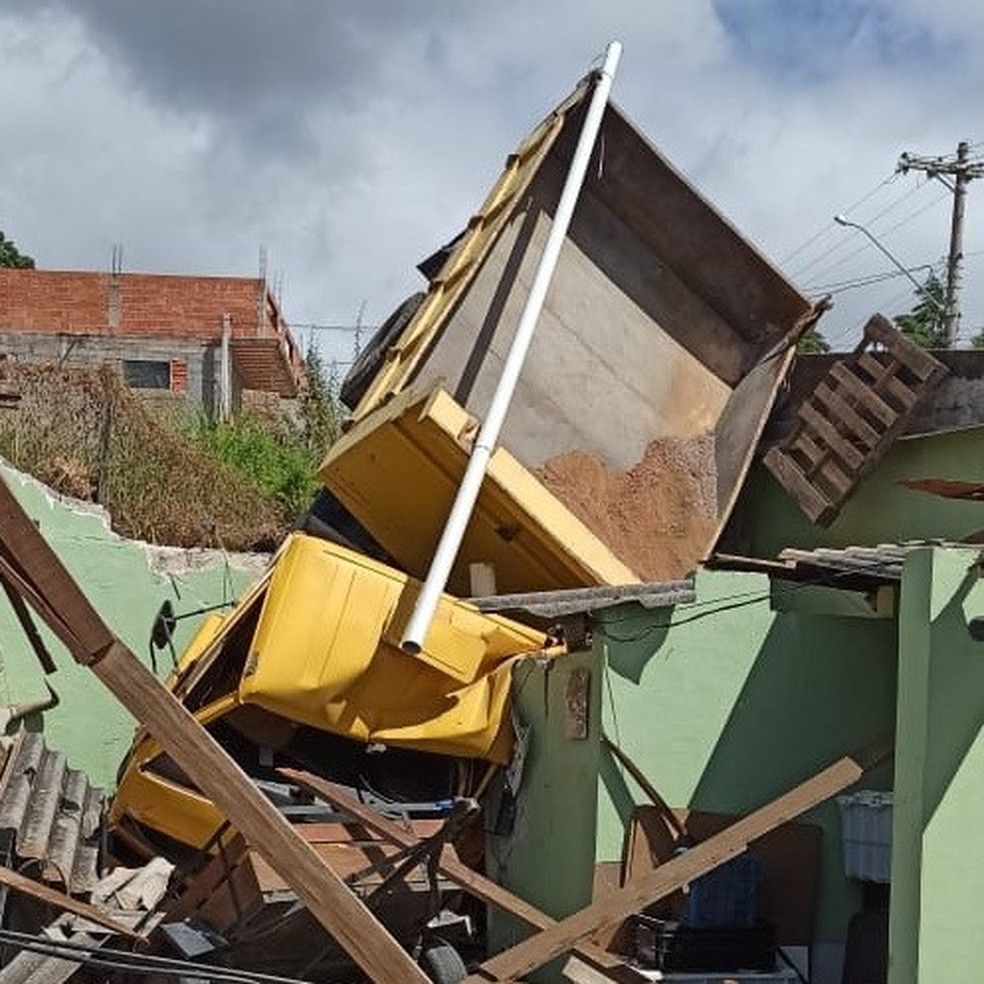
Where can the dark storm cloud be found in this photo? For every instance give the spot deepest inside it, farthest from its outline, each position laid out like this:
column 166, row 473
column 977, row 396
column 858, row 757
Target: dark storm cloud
column 257, row 67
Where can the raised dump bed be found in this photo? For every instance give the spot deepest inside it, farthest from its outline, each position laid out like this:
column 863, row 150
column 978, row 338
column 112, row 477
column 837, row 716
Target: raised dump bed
column 654, row 365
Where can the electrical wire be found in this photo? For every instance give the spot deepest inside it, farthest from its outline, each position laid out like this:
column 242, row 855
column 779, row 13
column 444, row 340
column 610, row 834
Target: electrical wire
column 672, row 624
column 883, row 234
column 93, row 955
column 755, row 597
column 847, row 211
column 838, row 287
column 895, row 203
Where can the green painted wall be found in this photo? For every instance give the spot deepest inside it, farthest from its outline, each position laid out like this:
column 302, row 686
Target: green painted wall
column 881, row 511
column 725, row 704
column 937, row 861
column 547, row 857
column 126, row 582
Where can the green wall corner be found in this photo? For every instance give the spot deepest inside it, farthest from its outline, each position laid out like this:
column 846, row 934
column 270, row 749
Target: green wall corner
column 937, row 865
column 126, row 582
column 725, row 704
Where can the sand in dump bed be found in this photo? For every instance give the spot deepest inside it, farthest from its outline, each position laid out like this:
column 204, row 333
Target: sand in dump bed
column 658, row 517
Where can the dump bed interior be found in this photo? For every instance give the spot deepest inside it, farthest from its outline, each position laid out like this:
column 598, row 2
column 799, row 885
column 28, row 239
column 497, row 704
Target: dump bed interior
column 654, row 362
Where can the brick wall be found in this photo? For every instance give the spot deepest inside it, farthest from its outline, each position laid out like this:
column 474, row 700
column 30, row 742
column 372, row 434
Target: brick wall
column 36, row 300
column 149, row 304
column 140, row 305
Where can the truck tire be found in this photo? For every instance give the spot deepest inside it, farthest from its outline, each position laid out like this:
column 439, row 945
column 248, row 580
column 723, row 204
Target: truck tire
column 442, row 963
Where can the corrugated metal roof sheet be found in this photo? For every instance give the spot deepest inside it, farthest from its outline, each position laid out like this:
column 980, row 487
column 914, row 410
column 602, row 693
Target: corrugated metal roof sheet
column 577, row 601
column 851, row 568
column 50, row 815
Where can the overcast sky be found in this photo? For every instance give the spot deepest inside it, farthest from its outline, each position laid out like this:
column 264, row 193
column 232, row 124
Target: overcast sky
column 350, row 139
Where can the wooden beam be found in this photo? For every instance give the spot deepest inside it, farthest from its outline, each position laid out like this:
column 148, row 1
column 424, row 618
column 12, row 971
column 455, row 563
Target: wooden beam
column 669, row 817
column 808, row 497
column 205, row 762
column 454, row 869
column 31, row 558
column 27, row 886
column 834, row 440
column 880, row 329
column 864, row 394
column 23, row 614
column 565, row 935
column 846, row 415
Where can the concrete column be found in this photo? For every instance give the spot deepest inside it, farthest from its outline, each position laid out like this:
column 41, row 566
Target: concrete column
column 225, row 371
column 938, row 846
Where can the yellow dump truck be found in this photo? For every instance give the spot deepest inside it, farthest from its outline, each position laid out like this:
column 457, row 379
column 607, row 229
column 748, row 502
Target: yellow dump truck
column 307, row 671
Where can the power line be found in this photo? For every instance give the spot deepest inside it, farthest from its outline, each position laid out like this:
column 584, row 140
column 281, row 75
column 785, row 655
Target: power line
column 963, row 170
column 866, row 280
column 887, row 304
column 312, row 326
column 847, row 211
column 840, row 244
column 866, row 244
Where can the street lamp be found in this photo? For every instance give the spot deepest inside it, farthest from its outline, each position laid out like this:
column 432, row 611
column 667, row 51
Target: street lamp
column 921, row 290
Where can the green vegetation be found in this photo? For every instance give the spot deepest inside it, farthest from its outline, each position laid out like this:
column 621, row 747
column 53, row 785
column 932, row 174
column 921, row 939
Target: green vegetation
column 169, row 481
column 267, row 455
column 812, row 343
column 11, row 256
column 278, row 455
column 923, row 324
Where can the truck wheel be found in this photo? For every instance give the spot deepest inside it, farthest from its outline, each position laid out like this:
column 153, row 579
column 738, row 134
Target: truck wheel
column 442, row 964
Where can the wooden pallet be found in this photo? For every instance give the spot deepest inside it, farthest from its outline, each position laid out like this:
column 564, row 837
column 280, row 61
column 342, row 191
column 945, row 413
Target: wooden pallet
column 845, row 426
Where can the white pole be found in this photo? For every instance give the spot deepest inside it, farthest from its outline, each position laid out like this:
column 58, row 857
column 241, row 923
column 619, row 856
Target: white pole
column 225, row 372
column 471, row 483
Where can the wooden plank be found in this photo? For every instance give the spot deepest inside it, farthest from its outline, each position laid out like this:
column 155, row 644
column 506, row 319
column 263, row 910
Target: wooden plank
column 886, row 381
column 816, row 506
column 205, row 762
column 804, row 444
column 563, row 936
column 879, row 329
column 452, row 868
column 865, row 396
column 202, row 885
column 29, row 628
column 27, row 886
column 645, row 785
column 31, row 556
column 846, row 414
column 822, row 466
column 829, row 434
column 837, row 481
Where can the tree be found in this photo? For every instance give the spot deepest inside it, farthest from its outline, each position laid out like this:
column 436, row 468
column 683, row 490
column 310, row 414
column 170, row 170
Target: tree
column 924, row 323
column 812, row 343
column 11, row 256
column 319, row 410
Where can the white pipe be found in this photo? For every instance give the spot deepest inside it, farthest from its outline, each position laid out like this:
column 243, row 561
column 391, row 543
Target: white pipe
column 471, row 482
column 225, row 372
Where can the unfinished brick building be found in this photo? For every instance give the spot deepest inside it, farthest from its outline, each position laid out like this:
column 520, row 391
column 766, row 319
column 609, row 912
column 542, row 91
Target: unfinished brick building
column 205, row 339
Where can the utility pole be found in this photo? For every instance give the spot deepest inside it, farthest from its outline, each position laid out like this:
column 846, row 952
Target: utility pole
column 963, row 171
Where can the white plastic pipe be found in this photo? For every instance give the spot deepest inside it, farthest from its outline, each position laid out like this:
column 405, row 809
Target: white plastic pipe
column 471, row 482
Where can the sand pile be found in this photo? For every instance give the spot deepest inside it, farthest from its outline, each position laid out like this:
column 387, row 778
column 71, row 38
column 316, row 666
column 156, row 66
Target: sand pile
column 658, row 517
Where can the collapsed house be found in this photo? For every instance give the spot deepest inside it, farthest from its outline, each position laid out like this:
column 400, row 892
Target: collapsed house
column 632, row 772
